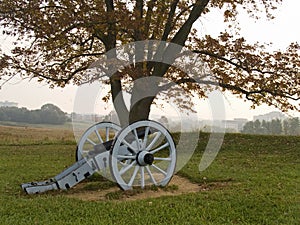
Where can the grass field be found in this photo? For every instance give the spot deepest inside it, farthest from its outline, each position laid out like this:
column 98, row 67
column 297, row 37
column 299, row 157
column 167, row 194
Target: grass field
column 254, row 180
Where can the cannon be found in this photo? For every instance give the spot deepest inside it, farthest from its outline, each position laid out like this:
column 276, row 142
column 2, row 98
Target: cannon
column 138, row 155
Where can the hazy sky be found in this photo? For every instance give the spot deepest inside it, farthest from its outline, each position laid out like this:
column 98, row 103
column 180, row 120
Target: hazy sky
column 280, row 31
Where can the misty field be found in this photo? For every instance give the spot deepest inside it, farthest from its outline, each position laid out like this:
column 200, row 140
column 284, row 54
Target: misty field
column 254, row 180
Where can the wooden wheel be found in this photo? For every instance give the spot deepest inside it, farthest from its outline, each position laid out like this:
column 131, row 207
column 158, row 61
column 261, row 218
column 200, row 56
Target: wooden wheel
column 143, row 154
column 96, row 135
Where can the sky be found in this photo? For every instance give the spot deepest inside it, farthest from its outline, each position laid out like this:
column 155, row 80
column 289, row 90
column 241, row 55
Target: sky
column 280, row 31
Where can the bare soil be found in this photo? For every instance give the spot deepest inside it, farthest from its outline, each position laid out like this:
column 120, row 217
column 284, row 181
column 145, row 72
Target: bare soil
column 177, row 186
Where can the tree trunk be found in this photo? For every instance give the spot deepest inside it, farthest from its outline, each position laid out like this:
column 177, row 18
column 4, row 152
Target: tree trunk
column 143, row 93
column 118, row 100
column 140, row 110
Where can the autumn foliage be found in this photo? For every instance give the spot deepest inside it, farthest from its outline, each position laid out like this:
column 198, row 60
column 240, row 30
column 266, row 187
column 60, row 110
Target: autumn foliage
column 58, row 40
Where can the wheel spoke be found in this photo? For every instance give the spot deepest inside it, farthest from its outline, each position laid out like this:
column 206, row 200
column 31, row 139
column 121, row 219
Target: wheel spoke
column 89, row 140
column 146, row 137
column 160, row 148
column 142, row 177
column 159, row 169
column 136, row 139
column 153, row 141
column 126, row 157
column 107, row 133
column 162, row 159
column 98, row 135
column 136, row 169
column 129, row 145
column 125, row 169
column 151, row 175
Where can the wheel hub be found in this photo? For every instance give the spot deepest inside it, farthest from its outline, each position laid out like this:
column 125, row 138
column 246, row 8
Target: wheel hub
column 144, row 158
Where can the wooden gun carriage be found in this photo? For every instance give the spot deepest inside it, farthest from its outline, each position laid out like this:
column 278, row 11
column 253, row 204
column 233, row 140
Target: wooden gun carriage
column 140, row 154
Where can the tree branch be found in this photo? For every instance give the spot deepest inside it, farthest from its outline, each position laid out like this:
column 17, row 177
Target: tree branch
column 169, row 23
column 230, row 61
column 179, row 39
column 149, row 16
column 248, row 94
column 182, row 34
column 78, row 56
column 181, row 13
column 58, row 80
column 138, row 17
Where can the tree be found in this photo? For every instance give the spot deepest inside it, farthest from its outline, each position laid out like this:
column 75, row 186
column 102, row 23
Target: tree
column 248, row 128
column 294, row 126
column 14, row 114
column 291, row 126
column 62, row 38
column 286, row 127
column 164, row 120
column 265, row 126
column 51, row 114
column 48, row 114
column 257, row 127
column 275, row 127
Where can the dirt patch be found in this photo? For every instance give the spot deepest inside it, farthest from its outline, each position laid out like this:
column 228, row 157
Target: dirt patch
column 177, row 186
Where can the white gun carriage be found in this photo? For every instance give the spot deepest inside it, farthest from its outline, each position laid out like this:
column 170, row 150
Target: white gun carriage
column 140, row 154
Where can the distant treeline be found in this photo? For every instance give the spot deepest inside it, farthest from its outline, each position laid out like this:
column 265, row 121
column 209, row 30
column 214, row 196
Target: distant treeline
column 48, row 114
column 286, row 127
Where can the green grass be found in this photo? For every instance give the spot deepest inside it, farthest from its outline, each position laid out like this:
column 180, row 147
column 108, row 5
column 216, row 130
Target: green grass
column 254, row 180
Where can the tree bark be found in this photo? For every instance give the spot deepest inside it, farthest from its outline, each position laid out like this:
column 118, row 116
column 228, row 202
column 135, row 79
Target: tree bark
column 118, row 100
column 141, row 110
column 115, row 80
column 143, row 94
